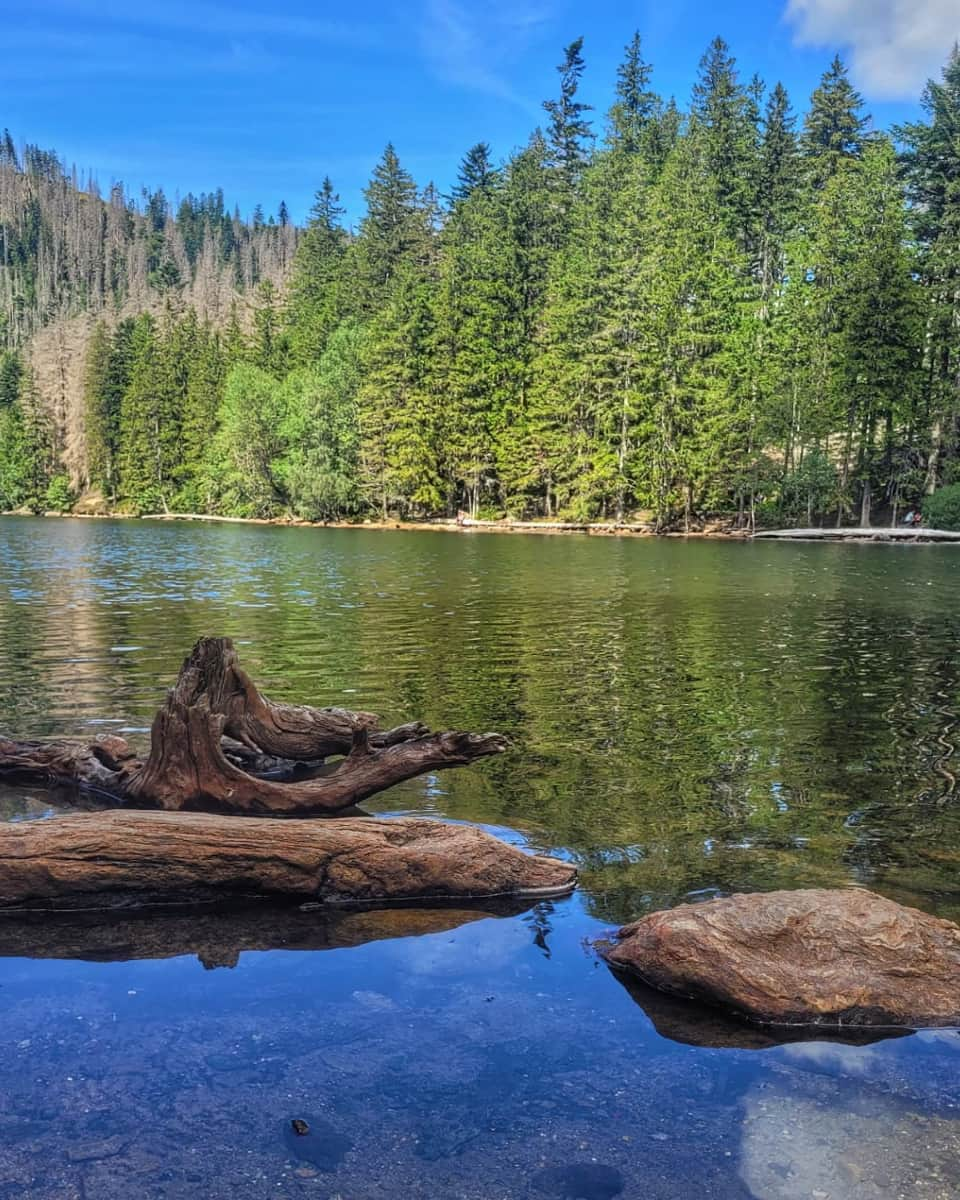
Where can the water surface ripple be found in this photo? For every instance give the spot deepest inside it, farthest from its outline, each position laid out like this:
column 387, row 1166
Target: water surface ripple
column 686, row 719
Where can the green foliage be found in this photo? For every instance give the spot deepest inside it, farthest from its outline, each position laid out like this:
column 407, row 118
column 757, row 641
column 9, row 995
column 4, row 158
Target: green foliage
column 708, row 312
column 244, row 468
column 59, row 495
column 321, row 430
column 942, row 509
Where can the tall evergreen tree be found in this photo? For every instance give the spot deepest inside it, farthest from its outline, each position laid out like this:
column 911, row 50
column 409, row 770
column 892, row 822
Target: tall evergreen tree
column 834, row 128
column 388, row 233
column 569, row 129
column 476, row 173
column 932, row 161
column 316, row 301
column 636, row 108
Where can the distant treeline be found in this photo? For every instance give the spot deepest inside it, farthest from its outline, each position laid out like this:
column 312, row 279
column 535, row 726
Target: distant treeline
column 723, row 310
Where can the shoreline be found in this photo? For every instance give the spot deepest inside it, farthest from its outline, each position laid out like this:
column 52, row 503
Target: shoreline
column 438, row 525
column 873, row 535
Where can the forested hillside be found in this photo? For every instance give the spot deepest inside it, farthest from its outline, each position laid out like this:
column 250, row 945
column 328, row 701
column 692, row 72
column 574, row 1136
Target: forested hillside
column 725, row 308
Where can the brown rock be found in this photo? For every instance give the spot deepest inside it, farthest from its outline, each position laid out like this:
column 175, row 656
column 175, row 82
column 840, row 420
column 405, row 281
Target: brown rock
column 191, row 856
column 821, row 956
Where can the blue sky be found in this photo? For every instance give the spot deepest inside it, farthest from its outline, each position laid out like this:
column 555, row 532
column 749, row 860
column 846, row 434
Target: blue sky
column 264, row 99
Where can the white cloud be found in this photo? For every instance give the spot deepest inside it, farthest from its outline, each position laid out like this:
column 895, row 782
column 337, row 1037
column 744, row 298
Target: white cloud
column 471, row 46
column 894, row 46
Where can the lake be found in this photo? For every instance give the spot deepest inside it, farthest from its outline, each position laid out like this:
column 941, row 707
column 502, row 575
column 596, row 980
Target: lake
column 687, row 719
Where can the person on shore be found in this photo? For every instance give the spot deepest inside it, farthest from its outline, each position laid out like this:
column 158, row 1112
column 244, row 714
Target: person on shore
column 909, row 518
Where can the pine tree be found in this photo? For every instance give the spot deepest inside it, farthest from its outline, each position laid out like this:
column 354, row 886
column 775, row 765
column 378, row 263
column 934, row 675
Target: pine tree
column 932, row 162
column 100, row 421
column 206, row 370
column 476, row 173
column 727, row 119
column 270, row 345
column 535, row 232
column 388, row 233
column 149, row 420
column 400, row 411
column 777, row 189
column 834, row 128
column 315, row 305
column 637, row 108
column 478, row 334
column 569, row 129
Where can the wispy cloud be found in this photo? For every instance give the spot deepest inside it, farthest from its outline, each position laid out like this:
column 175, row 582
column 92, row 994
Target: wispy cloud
column 894, row 45
column 221, row 21
column 115, row 55
column 473, row 45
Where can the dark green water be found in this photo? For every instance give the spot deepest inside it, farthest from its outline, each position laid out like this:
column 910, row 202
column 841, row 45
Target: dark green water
column 687, row 719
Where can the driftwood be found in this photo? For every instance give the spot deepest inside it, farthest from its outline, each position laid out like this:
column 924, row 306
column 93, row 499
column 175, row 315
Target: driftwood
column 123, row 857
column 218, row 745
column 863, row 533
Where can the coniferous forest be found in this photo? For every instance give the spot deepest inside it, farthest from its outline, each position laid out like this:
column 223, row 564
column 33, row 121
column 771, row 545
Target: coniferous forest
column 729, row 308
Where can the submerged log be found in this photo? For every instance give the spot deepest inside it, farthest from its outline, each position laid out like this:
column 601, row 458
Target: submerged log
column 109, row 858
column 818, row 957
column 217, row 736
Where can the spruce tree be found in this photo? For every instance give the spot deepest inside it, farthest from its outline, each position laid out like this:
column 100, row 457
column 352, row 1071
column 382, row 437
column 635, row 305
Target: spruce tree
column 478, row 339
column 834, row 128
column 932, row 161
column 388, row 232
column 315, row 304
column 569, row 129
column 476, row 173
column 636, row 108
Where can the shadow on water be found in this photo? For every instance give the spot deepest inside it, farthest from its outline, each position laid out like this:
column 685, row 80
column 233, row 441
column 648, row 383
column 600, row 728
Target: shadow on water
column 694, row 1024
column 218, row 935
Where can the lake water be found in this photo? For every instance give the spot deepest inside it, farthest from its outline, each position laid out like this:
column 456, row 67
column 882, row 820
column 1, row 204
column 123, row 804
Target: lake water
column 686, row 719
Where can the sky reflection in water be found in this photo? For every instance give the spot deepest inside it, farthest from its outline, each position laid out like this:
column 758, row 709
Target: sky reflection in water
column 688, row 719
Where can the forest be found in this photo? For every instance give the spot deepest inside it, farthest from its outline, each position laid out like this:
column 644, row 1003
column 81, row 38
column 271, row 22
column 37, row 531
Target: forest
column 665, row 313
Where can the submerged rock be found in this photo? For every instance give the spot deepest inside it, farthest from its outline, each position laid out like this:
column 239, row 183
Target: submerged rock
column 811, row 957
column 580, row 1181
column 320, row 1144
column 693, row 1024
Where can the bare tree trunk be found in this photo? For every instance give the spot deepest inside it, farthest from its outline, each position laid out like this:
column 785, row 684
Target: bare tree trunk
column 865, row 505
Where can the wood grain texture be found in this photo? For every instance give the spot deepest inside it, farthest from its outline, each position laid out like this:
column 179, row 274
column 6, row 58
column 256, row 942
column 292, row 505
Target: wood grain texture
column 187, row 857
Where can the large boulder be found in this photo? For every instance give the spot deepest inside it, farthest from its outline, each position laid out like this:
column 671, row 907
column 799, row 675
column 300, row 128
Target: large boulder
column 817, row 957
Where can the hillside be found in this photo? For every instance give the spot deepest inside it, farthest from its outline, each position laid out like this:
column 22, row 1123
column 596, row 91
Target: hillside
column 722, row 309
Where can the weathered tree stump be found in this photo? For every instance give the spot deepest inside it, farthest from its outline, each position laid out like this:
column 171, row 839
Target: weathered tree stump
column 99, row 859
column 218, row 745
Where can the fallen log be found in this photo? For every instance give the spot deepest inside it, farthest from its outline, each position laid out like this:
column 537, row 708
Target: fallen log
column 217, row 738
column 115, row 858
column 820, row 957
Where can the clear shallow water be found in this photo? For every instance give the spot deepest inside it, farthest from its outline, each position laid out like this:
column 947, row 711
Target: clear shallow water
column 687, row 719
